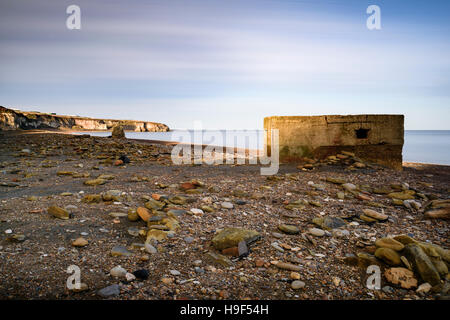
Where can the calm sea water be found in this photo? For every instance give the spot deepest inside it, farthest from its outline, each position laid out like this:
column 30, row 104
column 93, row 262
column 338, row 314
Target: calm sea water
column 425, row 146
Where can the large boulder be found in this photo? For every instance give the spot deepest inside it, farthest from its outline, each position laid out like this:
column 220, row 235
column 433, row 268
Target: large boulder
column 422, row 264
column 230, row 237
column 118, row 132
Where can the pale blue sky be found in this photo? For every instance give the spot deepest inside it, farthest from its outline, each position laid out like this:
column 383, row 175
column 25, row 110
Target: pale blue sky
column 227, row 63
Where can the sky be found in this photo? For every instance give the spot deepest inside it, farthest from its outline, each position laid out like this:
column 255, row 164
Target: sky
column 227, row 63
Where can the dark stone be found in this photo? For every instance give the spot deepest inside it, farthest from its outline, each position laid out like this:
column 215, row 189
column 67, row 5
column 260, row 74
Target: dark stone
column 125, row 159
column 422, row 264
column 141, row 274
column 112, row 290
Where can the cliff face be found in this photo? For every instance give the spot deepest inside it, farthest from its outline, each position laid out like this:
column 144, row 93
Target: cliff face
column 15, row 119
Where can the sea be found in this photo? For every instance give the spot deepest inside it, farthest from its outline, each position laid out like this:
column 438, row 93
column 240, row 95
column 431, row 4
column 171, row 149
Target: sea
column 423, row 146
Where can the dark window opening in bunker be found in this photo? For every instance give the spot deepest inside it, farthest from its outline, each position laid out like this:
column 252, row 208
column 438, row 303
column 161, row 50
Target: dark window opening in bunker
column 362, row 133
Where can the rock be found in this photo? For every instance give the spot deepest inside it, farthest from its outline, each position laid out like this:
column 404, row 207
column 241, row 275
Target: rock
column 412, row 205
column 207, row 209
column 294, row 275
column 189, row 239
column 118, row 272
column 406, row 263
column 218, row 259
column 112, row 290
column 278, row 235
column 17, row 238
column 82, row 287
column 335, row 180
column 336, row 281
column 375, row 215
column 316, row 232
column 187, row 186
column 58, row 212
column 422, row 264
column 171, row 223
column 359, row 165
column 338, row 233
column 404, row 239
column 230, row 237
column 405, row 195
column 196, row 211
column 92, row 198
column 401, row 276
column 118, row 214
column 424, row 288
column 80, row 242
column 287, row 266
column 443, row 213
column 118, row 132
column 150, row 249
column 111, row 195
column 180, row 200
column 389, row 256
column 234, row 251
column 94, row 182
column 277, row 246
column 387, row 289
column 129, row 277
column 349, row 187
column 155, row 234
column 242, row 249
column 289, row 229
column 435, row 251
column 296, row 285
column 351, row 259
column 329, row 223
column 134, row 232
column 124, row 159
column 367, row 219
column 119, row 251
column 133, row 215
column 227, row 205
column 389, row 243
column 141, row 274
column 175, row 272
column 365, row 260
column 153, row 204
column 143, row 213
column 199, row 270
column 64, row 173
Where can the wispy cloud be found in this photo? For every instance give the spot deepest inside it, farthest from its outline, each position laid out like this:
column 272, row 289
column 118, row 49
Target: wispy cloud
column 218, row 53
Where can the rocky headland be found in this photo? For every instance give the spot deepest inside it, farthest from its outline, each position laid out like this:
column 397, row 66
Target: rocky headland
column 11, row 119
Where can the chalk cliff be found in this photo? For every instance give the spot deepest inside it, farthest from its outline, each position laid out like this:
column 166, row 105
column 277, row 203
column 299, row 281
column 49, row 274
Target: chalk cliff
column 15, row 119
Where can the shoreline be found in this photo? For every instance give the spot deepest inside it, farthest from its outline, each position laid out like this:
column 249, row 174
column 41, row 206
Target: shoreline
column 172, row 143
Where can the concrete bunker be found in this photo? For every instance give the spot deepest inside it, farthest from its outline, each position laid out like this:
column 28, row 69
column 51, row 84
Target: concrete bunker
column 373, row 138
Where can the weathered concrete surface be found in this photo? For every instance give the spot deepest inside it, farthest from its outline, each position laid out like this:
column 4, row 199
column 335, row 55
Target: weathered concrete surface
column 374, row 138
column 15, row 119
